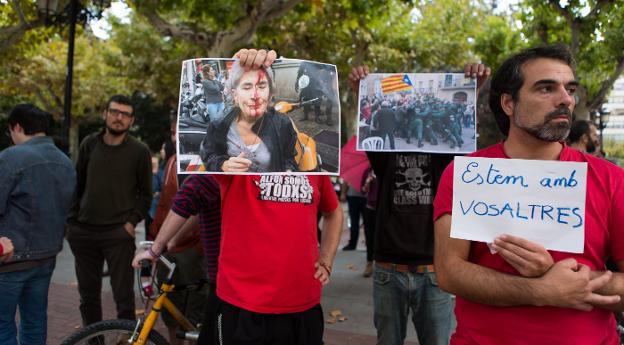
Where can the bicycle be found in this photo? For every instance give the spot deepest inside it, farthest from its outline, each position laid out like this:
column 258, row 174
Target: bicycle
column 141, row 332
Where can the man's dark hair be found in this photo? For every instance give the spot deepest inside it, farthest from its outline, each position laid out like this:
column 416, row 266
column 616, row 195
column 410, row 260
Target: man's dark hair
column 120, row 99
column 509, row 79
column 32, row 119
column 578, row 128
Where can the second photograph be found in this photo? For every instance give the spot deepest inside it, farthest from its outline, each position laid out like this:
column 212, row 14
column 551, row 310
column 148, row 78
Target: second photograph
column 417, row 112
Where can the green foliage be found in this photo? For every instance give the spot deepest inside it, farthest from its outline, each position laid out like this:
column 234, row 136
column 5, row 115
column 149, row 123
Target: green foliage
column 444, row 32
column 146, row 61
column 600, row 37
column 38, row 74
column 615, row 151
column 151, row 124
column 388, row 35
column 9, row 20
column 205, row 15
column 496, row 40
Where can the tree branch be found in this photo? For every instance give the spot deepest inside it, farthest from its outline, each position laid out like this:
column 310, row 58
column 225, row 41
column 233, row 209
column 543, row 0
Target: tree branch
column 279, row 8
column 221, row 42
column 20, row 13
column 148, row 10
column 606, row 85
column 246, row 26
column 10, row 35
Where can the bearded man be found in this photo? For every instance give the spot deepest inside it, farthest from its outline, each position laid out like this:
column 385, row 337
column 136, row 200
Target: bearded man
column 113, row 194
column 550, row 297
column 584, row 137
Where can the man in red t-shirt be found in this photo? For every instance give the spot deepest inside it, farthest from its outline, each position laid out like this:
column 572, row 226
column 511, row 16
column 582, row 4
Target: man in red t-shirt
column 270, row 267
column 523, row 294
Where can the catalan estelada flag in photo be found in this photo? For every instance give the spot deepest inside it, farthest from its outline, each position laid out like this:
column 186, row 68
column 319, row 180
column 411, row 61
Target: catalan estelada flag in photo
column 196, row 164
column 395, row 82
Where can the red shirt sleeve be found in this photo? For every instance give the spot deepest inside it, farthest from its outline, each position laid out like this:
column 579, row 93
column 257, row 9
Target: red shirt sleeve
column 1, row 250
column 616, row 223
column 329, row 199
column 443, row 202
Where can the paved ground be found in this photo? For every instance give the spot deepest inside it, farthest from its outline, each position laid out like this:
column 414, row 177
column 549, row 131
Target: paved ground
column 348, row 292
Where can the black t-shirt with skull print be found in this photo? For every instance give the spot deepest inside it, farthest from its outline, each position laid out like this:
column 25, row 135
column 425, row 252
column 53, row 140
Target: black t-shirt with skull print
column 404, row 226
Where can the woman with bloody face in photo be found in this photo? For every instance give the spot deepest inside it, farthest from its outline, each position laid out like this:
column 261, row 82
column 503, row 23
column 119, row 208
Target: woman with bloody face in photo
column 251, row 137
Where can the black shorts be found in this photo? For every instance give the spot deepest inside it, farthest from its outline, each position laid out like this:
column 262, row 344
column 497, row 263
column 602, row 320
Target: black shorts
column 207, row 332
column 236, row 326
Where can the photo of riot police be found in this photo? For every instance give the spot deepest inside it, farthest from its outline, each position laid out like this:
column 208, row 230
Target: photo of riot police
column 417, row 112
column 292, row 109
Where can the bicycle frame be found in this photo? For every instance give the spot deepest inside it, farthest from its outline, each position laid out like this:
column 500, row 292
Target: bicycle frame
column 162, row 301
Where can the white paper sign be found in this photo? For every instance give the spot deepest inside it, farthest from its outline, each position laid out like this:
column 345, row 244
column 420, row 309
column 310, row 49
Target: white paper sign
column 541, row 201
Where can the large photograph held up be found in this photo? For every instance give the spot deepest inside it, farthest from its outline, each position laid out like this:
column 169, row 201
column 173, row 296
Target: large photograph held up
column 279, row 120
column 417, row 112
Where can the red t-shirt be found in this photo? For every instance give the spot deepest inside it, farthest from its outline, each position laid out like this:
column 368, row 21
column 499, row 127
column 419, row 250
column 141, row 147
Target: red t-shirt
column 604, row 237
column 269, row 242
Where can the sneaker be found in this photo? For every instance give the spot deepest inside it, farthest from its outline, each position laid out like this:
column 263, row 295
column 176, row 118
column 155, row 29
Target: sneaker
column 368, row 271
column 348, row 247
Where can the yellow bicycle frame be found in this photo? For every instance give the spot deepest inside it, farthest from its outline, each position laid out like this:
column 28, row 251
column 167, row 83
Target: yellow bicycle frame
column 150, row 321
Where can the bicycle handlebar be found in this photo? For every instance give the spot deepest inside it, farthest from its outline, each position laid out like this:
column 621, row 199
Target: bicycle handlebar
column 170, row 265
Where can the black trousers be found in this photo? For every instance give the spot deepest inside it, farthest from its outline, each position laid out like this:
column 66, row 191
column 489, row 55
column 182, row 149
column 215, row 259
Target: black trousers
column 390, row 135
column 236, row 326
column 91, row 247
column 357, row 205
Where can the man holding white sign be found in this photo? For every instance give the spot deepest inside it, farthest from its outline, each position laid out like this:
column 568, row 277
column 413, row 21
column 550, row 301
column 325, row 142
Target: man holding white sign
column 549, row 297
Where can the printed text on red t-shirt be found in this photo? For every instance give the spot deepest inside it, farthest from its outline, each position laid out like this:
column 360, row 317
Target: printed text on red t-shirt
column 281, row 188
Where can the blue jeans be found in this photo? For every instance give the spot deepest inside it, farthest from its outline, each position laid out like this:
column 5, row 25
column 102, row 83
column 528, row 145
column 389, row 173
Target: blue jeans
column 395, row 293
column 27, row 289
column 215, row 111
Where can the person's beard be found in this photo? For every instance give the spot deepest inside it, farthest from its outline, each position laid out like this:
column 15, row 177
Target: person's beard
column 590, row 147
column 115, row 132
column 548, row 130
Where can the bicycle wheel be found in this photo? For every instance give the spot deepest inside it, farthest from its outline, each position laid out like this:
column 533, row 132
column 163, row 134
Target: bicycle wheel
column 110, row 332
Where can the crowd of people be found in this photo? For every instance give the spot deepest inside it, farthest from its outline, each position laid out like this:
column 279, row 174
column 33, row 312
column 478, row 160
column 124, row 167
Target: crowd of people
column 258, row 233
column 416, row 116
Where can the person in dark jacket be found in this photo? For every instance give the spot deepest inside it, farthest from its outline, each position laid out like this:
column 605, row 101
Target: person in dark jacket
column 37, row 182
column 251, row 137
column 385, row 123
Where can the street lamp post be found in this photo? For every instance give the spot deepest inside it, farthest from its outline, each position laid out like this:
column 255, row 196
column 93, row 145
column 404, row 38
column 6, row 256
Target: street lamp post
column 73, row 14
column 603, row 120
column 59, row 13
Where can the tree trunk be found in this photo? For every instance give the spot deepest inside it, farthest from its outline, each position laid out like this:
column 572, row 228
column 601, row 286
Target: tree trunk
column 581, row 110
column 74, row 140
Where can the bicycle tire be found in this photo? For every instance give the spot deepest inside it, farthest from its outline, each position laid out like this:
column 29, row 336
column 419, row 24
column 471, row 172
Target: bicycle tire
column 110, row 332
